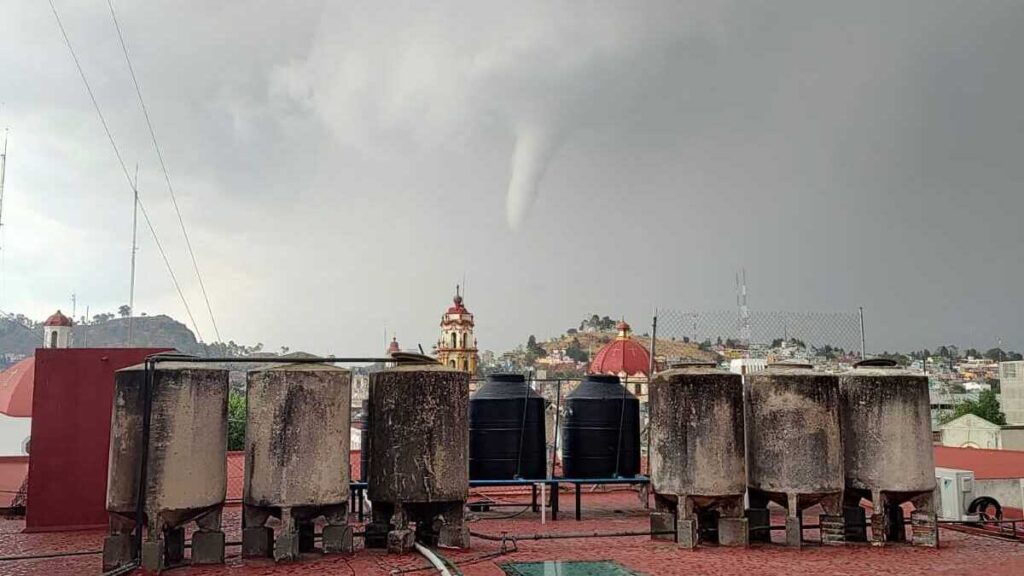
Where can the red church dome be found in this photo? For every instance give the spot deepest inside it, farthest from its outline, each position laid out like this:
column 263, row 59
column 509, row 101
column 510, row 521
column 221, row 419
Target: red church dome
column 58, row 319
column 622, row 356
column 393, row 347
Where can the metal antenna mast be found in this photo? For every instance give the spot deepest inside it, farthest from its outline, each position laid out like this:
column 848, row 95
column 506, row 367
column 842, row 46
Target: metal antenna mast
column 741, row 304
column 135, row 248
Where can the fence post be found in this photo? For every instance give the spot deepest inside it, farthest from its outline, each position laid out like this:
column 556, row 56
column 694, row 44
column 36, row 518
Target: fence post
column 863, row 348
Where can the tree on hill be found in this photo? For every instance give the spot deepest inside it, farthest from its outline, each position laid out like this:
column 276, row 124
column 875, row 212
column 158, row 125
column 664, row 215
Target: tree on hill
column 986, row 406
column 575, row 351
column 534, row 350
column 124, row 311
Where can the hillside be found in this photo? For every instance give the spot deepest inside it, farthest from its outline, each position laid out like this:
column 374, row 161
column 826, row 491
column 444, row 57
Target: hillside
column 20, row 336
column 669, row 350
column 147, row 332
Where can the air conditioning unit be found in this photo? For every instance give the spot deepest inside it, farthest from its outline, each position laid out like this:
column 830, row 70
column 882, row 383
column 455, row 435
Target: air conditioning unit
column 955, row 491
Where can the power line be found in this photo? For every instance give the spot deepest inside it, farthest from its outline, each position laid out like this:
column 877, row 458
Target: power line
column 124, row 168
column 163, row 167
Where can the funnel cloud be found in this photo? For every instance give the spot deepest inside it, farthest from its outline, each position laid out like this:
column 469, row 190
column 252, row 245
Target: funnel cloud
column 533, row 149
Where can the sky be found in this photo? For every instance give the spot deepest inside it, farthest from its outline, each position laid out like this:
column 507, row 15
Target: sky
column 341, row 166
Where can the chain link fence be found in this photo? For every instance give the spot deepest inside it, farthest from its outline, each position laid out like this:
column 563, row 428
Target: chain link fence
column 829, row 335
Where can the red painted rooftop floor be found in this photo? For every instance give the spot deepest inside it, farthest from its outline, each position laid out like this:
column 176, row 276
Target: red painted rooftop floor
column 604, row 512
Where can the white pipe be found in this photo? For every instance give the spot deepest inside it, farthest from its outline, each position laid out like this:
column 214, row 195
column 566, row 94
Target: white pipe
column 433, row 559
column 543, row 500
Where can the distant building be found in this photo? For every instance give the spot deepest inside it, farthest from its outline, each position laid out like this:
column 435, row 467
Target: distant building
column 970, row 431
column 57, row 331
column 1011, row 391
column 624, row 357
column 456, row 348
column 744, row 366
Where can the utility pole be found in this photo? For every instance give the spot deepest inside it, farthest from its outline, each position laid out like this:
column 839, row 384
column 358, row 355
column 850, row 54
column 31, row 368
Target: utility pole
column 135, row 222
column 3, row 176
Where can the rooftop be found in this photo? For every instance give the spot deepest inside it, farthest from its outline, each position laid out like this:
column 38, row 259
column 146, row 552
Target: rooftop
column 986, row 464
column 604, row 512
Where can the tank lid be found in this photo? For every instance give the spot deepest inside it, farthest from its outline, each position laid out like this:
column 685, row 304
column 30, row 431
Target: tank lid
column 692, row 364
column 876, row 363
column 411, row 358
column 510, row 377
column 602, row 378
column 790, row 364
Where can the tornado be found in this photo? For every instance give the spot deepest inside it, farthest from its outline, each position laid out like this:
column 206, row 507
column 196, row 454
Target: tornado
column 533, row 149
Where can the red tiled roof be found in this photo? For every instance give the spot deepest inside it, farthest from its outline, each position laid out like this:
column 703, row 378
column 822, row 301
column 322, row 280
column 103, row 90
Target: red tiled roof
column 986, row 464
column 16, row 385
column 58, row 319
column 624, row 355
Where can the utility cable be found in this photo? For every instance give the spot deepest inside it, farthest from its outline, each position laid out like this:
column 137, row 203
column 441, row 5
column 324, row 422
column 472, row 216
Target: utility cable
column 163, row 167
column 124, row 168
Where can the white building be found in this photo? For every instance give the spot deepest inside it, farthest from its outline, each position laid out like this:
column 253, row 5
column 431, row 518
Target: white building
column 1011, row 391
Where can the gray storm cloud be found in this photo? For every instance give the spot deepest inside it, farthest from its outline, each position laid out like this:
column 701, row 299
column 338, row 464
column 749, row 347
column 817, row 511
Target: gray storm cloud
column 435, row 85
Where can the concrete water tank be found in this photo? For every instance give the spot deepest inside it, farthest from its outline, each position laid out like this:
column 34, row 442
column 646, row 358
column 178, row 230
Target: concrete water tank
column 698, row 473
column 886, row 422
column 419, row 461
column 297, row 459
column 186, row 472
column 794, row 448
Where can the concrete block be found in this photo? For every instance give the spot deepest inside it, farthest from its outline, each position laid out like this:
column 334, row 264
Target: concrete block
column 663, row 522
column 117, row 551
column 733, row 532
column 794, row 532
column 337, row 539
column 257, row 542
column 855, row 519
column 453, row 537
column 925, row 529
column 878, row 529
column 286, row 546
column 153, row 555
column 758, row 522
column 686, row 532
column 832, row 529
column 208, row 547
column 401, row 541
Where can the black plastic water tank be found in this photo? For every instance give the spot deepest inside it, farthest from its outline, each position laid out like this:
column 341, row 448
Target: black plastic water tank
column 506, row 430
column 601, row 434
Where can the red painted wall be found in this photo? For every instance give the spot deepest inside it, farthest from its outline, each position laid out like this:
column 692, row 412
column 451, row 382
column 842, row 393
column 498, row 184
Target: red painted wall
column 71, row 405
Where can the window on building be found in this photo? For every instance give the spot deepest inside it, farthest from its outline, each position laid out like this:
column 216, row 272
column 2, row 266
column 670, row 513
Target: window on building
column 453, row 340
column 53, row 339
